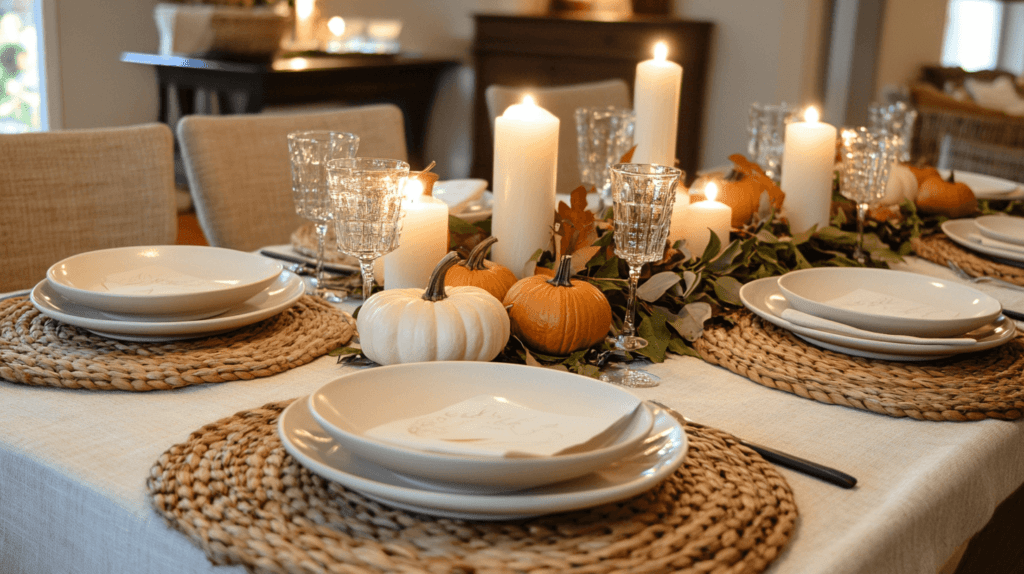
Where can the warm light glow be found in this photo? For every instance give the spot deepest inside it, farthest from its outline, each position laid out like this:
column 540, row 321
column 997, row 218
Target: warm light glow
column 660, row 51
column 528, row 100
column 336, row 25
column 711, row 191
column 304, row 9
column 298, row 63
column 413, row 188
column 812, row 115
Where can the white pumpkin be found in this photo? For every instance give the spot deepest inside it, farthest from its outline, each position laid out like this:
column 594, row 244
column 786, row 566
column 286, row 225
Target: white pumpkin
column 902, row 186
column 433, row 324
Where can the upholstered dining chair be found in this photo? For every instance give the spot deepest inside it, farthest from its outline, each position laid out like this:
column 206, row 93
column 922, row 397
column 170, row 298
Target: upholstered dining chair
column 239, row 170
column 979, row 157
column 67, row 192
column 562, row 102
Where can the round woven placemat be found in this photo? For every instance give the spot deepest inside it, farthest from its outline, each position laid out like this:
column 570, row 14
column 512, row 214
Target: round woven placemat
column 938, row 248
column 234, row 490
column 974, row 386
column 37, row 350
column 304, row 242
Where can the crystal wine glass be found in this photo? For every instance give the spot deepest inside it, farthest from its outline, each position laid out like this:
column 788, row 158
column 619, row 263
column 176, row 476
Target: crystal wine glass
column 897, row 119
column 603, row 136
column 867, row 158
column 367, row 199
column 643, row 196
column 310, row 151
column 766, row 126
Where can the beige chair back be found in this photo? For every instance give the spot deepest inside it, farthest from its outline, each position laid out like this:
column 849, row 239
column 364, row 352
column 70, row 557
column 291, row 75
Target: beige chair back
column 68, row 192
column 239, row 170
column 562, row 102
column 979, row 157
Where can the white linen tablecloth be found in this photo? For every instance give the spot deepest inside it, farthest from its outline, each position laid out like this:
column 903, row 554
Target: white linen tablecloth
column 73, row 466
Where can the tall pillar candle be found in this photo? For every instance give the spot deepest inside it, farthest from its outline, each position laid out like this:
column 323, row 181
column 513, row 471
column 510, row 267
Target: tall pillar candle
column 679, row 213
column 656, row 101
column 808, row 163
column 423, row 240
column 525, row 166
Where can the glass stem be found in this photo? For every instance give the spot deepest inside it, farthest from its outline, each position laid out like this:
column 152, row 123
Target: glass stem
column 321, row 236
column 629, row 323
column 862, row 212
column 366, row 266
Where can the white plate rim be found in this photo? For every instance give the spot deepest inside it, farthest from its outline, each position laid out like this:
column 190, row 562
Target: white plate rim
column 1002, row 187
column 871, row 354
column 521, row 504
column 754, row 295
column 486, row 200
column 958, row 230
column 988, row 231
column 290, row 285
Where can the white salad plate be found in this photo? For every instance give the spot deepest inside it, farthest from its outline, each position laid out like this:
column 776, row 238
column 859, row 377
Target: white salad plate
column 983, row 186
column 459, row 194
column 764, row 298
column 278, row 296
column 887, row 301
column 350, row 406
column 162, row 282
column 1002, row 228
column 659, row 455
column 960, row 232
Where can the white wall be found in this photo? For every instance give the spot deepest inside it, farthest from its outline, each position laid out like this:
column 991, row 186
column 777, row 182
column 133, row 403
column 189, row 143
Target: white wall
column 912, row 33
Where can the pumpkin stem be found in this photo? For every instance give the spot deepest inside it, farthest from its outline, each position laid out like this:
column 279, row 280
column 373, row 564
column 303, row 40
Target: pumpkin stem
column 435, row 285
column 951, row 174
column 733, row 175
column 563, row 273
column 475, row 261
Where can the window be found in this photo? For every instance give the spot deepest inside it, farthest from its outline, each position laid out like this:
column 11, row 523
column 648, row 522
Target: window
column 972, row 34
column 20, row 101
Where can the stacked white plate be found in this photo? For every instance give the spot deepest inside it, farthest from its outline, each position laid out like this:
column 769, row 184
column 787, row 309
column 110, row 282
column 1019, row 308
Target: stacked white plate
column 351, row 430
column 467, row 199
column 165, row 292
column 985, row 186
column 1000, row 237
column 879, row 313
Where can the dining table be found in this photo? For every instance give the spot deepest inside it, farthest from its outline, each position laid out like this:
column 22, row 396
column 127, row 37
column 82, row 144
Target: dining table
column 74, row 465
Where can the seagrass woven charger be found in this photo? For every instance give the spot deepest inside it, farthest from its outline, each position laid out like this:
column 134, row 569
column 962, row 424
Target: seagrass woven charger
column 973, row 386
column 234, row 490
column 37, row 350
column 939, row 249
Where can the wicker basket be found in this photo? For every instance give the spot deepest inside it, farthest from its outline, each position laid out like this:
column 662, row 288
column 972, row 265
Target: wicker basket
column 224, row 32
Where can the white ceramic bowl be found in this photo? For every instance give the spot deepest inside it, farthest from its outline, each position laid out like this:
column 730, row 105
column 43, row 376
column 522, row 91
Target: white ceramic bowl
column 162, row 282
column 349, row 406
column 1002, row 228
column 886, row 301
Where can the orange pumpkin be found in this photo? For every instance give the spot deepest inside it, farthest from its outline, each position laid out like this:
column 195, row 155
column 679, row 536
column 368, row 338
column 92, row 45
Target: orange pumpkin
column 475, row 271
column 923, row 173
column 558, row 316
column 950, row 198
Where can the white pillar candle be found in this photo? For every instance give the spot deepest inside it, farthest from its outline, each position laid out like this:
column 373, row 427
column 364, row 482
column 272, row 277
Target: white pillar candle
column 656, row 101
column 305, row 24
column 679, row 213
column 422, row 243
column 525, row 167
column 808, row 162
column 702, row 218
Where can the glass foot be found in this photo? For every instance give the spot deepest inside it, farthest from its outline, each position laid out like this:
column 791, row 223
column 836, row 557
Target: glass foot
column 626, row 377
column 331, row 296
column 627, row 343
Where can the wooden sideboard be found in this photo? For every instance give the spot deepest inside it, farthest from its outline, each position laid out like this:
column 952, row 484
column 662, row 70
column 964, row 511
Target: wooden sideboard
column 550, row 51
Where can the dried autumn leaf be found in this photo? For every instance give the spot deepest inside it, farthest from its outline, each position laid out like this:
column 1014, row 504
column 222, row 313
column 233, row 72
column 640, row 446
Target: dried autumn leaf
column 576, row 225
column 628, row 156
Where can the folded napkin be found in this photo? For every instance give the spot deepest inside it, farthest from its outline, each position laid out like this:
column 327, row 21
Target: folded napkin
column 157, row 280
column 989, row 242
column 494, row 426
column 818, row 323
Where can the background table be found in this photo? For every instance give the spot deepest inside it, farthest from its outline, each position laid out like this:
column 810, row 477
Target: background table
column 408, row 81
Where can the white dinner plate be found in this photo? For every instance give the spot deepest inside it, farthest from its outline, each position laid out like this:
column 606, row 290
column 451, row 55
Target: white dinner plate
column 278, row 296
column 659, row 456
column 983, row 186
column 887, row 301
column 350, row 406
column 477, row 210
column 1002, row 228
column 162, row 282
column 764, row 298
column 459, row 194
column 960, row 230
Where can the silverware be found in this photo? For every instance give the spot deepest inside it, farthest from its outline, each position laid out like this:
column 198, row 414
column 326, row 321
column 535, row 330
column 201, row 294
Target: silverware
column 780, row 458
column 14, row 294
column 959, row 272
column 328, row 268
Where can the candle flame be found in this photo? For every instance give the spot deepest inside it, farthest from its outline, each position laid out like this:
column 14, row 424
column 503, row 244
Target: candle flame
column 413, row 188
column 303, row 9
column 336, row 25
column 660, row 51
column 711, row 191
column 811, row 115
column 528, row 100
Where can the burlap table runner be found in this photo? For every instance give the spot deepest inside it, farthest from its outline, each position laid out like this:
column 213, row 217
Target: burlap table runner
column 234, row 490
column 304, row 242
column 37, row 350
column 938, row 248
column 973, row 386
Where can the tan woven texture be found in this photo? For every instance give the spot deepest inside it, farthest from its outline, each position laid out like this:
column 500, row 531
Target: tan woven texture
column 978, row 157
column 239, row 170
column 935, row 123
column 234, row 490
column 304, row 242
column 37, row 350
column 67, row 192
column 975, row 386
column 937, row 248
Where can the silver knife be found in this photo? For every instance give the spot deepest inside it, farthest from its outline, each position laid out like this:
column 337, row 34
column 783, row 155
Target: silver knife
column 311, row 265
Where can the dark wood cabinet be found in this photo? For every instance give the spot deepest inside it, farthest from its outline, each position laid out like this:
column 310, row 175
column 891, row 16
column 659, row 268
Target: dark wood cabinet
column 550, row 51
